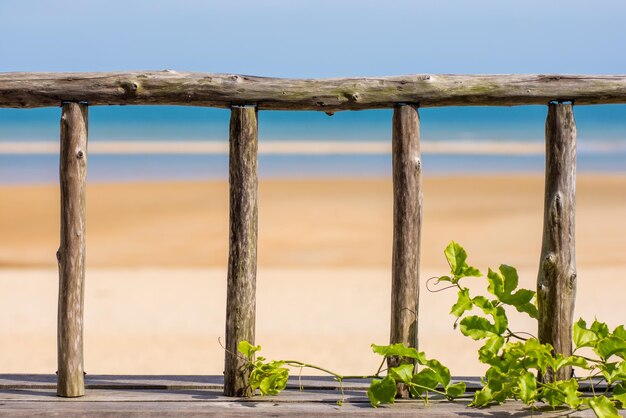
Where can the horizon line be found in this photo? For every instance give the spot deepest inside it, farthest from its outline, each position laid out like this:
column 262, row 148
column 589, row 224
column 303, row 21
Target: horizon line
column 279, row 147
column 291, row 147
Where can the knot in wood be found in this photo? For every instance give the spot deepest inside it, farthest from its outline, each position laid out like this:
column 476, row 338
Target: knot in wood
column 355, row 97
column 80, row 154
column 557, row 207
column 571, row 283
column 130, row 87
column 549, row 265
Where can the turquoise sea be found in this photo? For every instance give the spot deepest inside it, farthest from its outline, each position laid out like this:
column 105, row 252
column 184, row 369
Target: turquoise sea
column 601, row 141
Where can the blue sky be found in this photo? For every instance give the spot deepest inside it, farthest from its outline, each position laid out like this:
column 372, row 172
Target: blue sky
column 321, row 38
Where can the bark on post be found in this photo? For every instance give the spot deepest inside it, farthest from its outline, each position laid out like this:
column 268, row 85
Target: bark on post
column 71, row 254
column 556, row 281
column 25, row 90
column 241, row 293
column 407, row 218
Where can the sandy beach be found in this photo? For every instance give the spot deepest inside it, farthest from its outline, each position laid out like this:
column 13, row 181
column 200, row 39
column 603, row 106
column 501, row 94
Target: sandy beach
column 157, row 254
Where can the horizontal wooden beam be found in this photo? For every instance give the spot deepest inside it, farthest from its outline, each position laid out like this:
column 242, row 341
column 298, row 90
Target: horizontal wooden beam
column 27, row 90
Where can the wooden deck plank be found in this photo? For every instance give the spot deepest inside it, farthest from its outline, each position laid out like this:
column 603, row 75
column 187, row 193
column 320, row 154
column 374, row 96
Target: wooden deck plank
column 190, row 396
column 181, row 382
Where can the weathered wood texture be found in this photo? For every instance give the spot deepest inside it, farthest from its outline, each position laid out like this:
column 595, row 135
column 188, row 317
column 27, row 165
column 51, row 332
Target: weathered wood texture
column 407, row 218
column 176, row 396
column 224, row 90
column 71, row 254
column 241, row 293
column 556, row 281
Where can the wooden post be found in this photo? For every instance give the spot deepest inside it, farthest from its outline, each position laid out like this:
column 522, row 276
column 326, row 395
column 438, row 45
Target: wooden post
column 407, row 218
column 556, row 281
column 241, row 293
column 71, row 254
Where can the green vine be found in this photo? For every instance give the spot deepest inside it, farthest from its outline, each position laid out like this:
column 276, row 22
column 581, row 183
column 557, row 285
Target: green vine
column 515, row 359
column 270, row 377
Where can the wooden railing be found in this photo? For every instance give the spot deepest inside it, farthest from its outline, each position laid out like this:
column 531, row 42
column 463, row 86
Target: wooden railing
column 245, row 96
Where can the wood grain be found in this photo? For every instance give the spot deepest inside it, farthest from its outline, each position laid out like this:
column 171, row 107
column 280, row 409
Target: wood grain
column 556, row 281
column 24, row 90
column 407, row 218
column 179, row 398
column 71, row 253
column 242, row 252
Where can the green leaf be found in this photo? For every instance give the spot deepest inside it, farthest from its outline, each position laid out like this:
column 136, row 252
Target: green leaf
column 558, row 361
column 402, row 373
column 552, row 397
column 519, row 298
column 456, row 256
column 455, row 390
column 270, row 378
column 540, row 354
column 382, row 391
column 279, row 380
column 496, row 283
column 584, row 337
column 501, row 322
column 485, row 304
column 499, row 385
column 527, row 384
column 464, row 303
column 530, row 308
column 620, row 332
column 498, row 313
column 482, row 397
column 274, row 383
column 493, row 344
column 399, row 350
column 502, row 283
column 489, row 351
column 426, row 379
column 470, row 271
column 600, row 328
column 610, row 346
column 457, row 259
column 247, row 349
column 619, row 373
column 264, row 386
column 444, row 279
column 511, row 278
column 613, row 372
column 494, row 389
column 603, row 407
column 477, row 327
column 441, row 371
column 570, row 389
column 619, row 394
